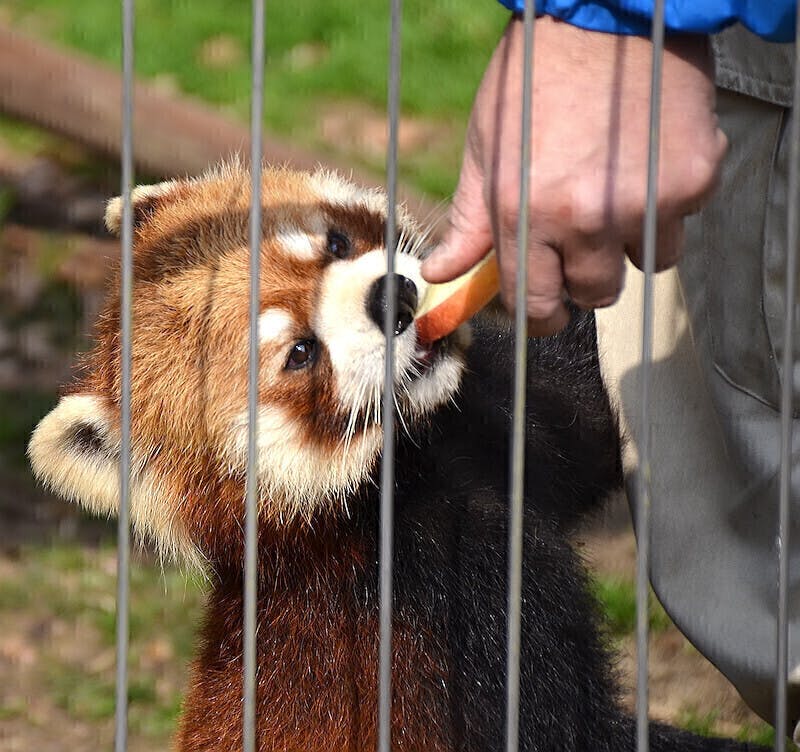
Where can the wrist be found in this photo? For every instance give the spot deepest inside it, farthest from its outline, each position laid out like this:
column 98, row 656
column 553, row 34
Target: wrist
column 569, row 48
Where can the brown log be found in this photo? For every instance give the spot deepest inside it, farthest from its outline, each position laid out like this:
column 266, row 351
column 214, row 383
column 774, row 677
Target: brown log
column 174, row 135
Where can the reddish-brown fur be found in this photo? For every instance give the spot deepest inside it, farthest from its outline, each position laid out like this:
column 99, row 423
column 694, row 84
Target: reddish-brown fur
column 190, row 313
column 317, row 676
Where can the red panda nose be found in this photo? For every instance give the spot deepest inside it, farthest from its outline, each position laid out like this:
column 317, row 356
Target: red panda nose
column 406, row 296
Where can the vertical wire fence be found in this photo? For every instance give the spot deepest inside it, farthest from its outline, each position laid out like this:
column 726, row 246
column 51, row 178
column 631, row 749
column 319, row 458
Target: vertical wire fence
column 249, row 660
column 518, row 427
column 126, row 291
column 387, row 408
column 787, row 407
column 518, row 424
column 643, row 498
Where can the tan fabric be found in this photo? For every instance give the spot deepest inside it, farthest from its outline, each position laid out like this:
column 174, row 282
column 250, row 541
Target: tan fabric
column 715, row 393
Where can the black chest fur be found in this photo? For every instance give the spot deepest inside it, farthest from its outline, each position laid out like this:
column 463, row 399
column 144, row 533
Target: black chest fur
column 319, row 603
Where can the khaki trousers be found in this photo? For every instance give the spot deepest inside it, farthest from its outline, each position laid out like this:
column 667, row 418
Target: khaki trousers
column 716, row 391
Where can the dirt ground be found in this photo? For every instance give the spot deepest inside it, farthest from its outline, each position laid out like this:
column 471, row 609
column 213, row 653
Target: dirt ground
column 684, row 686
column 57, row 656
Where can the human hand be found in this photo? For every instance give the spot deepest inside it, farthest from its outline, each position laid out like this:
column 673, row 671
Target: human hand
column 589, row 149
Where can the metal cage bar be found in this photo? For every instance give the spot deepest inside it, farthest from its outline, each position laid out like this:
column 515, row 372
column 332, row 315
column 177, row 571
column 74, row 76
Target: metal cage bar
column 787, row 405
column 249, row 667
column 387, row 462
column 643, row 499
column 126, row 293
column 518, row 429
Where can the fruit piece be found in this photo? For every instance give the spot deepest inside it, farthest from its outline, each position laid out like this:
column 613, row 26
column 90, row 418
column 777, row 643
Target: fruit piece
column 447, row 305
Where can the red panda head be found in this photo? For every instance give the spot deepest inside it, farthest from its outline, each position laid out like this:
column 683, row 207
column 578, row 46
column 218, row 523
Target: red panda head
column 323, row 267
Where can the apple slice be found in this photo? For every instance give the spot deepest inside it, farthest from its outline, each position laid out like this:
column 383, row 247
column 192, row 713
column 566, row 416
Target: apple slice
column 447, row 305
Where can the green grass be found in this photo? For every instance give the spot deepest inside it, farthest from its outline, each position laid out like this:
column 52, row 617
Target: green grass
column 84, row 696
column 318, row 52
column 445, row 47
column 71, row 590
column 706, row 725
column 703, row 725
column 618, row 601
column 760, row 733
column 23, row 137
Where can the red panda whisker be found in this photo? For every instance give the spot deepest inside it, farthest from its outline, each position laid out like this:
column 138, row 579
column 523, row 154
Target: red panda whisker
column 434, row 216
column 419, row 242
column 399, row 413
column 362, row 388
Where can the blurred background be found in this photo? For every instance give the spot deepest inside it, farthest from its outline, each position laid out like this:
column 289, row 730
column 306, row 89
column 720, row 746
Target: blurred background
column 59, row 134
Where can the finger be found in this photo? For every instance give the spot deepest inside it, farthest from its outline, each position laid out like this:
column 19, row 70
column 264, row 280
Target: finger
column 553, row 325
column 547, row 313
column 468, row 237
column 669, row 247
column 593, row 276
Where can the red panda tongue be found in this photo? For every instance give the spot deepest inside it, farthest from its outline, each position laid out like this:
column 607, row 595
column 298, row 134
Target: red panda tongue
column 427, row 358
column 427, row 353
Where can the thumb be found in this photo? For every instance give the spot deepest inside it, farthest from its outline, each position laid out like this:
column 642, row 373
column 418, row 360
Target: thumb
column 468, row 237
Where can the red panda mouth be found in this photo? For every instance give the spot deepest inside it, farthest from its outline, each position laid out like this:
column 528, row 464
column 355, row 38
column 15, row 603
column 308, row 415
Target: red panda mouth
column 428, row 354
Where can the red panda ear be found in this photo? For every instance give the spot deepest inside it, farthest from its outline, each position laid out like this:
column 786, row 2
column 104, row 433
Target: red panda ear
column 144, row 198
column 74, row 451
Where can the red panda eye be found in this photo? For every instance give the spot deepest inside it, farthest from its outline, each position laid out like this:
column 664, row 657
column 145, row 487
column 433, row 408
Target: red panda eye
column 302, row 354
column 339, row 244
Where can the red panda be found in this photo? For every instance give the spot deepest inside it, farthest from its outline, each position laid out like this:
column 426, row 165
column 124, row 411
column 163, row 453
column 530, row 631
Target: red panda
column 321, row 348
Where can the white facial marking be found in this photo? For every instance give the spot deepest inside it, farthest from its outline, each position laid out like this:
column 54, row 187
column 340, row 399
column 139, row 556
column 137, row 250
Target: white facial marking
column 355, row 343
column 442, row 382
column 296, row 476
column 274, row 325
column 357, row 346
column 335, row 189
column 299, row 244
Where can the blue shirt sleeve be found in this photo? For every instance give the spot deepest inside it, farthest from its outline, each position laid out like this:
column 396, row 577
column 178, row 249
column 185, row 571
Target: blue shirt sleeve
column 773, row 20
